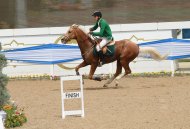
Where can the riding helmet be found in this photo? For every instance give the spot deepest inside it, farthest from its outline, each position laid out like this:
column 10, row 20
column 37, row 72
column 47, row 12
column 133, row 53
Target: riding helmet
column 97, row 13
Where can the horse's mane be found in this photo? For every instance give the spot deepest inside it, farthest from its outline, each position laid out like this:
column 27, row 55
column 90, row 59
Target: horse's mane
column 82, row 28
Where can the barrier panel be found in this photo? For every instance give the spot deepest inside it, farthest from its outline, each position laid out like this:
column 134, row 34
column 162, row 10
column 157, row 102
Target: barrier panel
column 72, row 95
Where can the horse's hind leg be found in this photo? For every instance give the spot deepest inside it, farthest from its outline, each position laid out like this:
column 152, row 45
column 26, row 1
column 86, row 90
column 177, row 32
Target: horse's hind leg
column 127, row 71
column 118, row 78
column 118, row 71
column 125, row 65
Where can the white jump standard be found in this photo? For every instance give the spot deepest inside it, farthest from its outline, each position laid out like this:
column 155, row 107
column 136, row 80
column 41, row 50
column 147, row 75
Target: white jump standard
column 72, row 95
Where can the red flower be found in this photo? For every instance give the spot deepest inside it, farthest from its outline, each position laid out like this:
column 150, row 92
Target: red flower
column 17, row 112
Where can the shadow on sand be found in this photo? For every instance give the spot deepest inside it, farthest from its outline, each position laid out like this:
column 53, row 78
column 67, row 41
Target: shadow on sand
column 99, row 88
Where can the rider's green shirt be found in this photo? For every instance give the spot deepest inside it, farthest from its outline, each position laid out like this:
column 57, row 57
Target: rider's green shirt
column 105, row 30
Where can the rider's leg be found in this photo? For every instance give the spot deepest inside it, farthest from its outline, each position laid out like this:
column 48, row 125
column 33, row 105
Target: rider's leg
column 99, row 49
column 102, row 44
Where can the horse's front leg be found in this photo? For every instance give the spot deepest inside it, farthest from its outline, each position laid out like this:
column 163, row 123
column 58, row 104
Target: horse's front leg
column 92, row 70
column 83, row 64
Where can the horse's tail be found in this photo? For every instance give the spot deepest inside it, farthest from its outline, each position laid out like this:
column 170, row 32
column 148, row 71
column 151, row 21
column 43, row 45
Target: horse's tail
column 152, row 52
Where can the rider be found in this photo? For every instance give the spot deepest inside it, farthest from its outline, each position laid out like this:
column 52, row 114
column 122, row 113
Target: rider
column 105, row 33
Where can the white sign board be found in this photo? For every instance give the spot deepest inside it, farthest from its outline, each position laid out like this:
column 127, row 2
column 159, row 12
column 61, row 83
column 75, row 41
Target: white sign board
column 72, row 95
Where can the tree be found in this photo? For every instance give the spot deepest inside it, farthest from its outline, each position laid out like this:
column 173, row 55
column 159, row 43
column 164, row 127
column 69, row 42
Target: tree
column 4, row 95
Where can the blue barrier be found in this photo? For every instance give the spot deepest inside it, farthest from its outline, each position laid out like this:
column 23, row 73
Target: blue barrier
column 175, row 48
column 60, row 53
column 45, row 54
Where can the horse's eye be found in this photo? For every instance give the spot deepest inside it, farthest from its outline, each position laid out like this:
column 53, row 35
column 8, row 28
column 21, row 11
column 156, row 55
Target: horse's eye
column 69, row 31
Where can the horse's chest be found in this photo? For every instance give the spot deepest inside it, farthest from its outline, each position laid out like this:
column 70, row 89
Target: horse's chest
column 88, row 59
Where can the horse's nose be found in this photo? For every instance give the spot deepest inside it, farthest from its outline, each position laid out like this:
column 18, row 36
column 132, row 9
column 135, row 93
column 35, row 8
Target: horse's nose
column 63, row 40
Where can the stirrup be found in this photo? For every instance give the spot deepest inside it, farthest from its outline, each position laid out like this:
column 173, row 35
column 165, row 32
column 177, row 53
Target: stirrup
column 100, row 64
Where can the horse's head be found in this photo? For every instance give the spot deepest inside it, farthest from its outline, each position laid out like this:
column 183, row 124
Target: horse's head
column 71, row 34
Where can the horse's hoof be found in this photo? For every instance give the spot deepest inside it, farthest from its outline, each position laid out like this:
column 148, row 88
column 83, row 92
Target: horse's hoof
column 77, row 73
column 105, row 85
column 116, row 83
column 98, row 78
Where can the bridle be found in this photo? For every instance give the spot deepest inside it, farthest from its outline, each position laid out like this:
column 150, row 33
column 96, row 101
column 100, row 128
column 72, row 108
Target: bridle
column 67, row 37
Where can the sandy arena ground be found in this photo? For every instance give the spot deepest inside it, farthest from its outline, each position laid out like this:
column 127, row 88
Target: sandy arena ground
column 138, row 103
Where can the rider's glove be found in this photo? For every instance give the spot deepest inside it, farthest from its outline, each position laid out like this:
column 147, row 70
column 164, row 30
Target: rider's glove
column 90, row 32
column 91, row 29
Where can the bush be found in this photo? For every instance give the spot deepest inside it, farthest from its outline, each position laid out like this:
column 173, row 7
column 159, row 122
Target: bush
column 4, row 96
column 14, row 117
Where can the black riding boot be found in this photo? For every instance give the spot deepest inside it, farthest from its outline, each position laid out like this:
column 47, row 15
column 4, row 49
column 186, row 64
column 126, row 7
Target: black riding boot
column 101, row 58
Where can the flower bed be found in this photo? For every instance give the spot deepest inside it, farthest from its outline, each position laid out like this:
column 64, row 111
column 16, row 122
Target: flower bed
column 14, row 116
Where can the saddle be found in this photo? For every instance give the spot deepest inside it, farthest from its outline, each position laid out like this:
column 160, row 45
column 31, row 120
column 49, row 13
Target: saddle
column 105, row 49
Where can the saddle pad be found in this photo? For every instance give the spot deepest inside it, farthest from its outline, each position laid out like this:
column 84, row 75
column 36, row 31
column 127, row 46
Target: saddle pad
column 110, row 51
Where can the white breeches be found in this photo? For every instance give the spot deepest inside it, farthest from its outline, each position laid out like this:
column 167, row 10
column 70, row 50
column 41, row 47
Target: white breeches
column 102, row 44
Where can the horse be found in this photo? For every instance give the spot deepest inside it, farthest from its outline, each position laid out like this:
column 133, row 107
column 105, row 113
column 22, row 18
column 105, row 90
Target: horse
column 125, row 52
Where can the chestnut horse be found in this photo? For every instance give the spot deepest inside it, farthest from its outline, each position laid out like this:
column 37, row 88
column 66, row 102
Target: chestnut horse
column 125, row 52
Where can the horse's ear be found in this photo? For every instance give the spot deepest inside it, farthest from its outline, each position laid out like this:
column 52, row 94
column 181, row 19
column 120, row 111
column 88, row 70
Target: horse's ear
column 75, row 25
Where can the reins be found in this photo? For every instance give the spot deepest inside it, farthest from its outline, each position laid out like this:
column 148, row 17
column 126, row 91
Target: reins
column 91, row 46
column 88, row 50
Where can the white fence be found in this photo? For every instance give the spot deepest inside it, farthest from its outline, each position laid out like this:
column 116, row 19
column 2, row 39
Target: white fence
column 142, row 32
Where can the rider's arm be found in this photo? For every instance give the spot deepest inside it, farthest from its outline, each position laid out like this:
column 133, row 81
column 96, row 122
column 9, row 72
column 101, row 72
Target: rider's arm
column 94, row 27
column 102, row 28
